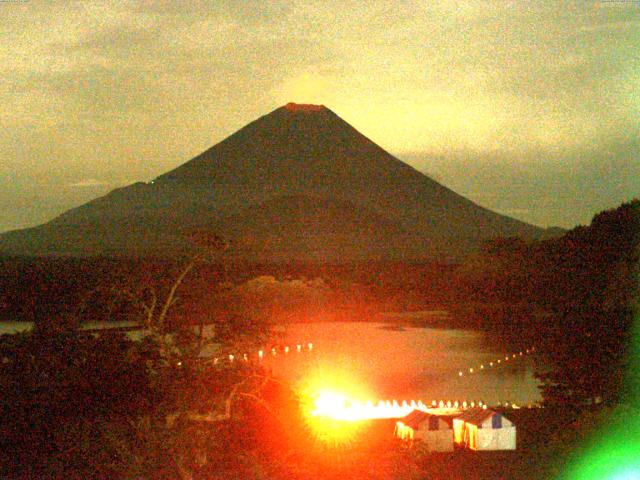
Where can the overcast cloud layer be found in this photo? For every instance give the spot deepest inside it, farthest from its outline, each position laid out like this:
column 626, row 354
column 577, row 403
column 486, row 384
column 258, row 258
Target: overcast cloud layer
column 530, row 108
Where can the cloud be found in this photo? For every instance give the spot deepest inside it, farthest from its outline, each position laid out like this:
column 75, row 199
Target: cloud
column 616, row 25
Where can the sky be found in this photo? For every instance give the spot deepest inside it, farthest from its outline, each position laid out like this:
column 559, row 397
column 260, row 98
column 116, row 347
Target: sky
column 530, row 108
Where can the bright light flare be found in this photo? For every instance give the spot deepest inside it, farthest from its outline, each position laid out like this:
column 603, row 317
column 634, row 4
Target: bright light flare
column 330, row 399
column 328, row 403
column 329, row 417
column 332, row 405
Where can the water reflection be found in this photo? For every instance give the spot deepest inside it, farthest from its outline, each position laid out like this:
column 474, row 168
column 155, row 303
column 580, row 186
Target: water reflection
column 411, row 363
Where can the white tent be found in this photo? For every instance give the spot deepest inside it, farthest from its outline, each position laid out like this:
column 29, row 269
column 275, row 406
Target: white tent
column 484, row 429
column 435, row 432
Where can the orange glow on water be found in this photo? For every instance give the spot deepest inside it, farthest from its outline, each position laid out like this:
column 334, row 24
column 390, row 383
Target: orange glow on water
column 331, row 395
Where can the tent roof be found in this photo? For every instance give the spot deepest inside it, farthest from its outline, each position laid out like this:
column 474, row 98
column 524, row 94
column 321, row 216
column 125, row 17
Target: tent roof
column 416, row 417
column 476, row 415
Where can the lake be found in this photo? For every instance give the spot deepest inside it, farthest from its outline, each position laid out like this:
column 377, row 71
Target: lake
column 385, row 362
column 409, row 363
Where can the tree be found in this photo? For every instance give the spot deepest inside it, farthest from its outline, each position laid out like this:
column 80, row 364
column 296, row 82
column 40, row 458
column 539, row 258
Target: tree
column 198, row 399
column 100, row 404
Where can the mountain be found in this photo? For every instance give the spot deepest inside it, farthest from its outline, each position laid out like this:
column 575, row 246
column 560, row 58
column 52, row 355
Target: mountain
column 297, row 183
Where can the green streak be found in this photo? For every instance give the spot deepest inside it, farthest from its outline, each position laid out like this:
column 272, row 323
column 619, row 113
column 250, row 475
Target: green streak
column 613, row 452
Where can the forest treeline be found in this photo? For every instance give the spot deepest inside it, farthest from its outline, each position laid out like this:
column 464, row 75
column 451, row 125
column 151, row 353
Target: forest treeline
column 574, row 297
column 99, row 289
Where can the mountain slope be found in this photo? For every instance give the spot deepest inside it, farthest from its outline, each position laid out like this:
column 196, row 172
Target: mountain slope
column 297, row 183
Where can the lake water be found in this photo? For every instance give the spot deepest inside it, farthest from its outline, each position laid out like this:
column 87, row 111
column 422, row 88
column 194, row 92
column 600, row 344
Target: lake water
column 387, row 363
column 410, row 363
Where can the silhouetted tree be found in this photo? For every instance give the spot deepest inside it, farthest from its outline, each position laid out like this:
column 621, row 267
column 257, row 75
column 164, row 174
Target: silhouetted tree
column 591, row 285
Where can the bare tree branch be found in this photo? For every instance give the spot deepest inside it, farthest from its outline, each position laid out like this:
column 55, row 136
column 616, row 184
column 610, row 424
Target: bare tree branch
column 170, row 297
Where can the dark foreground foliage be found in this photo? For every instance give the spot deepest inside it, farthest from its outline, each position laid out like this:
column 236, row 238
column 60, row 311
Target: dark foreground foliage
column 77, row 405
column 58, row 390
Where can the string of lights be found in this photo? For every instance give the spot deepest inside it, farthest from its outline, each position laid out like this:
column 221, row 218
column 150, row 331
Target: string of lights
column 264, row 353
column 496, row 363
